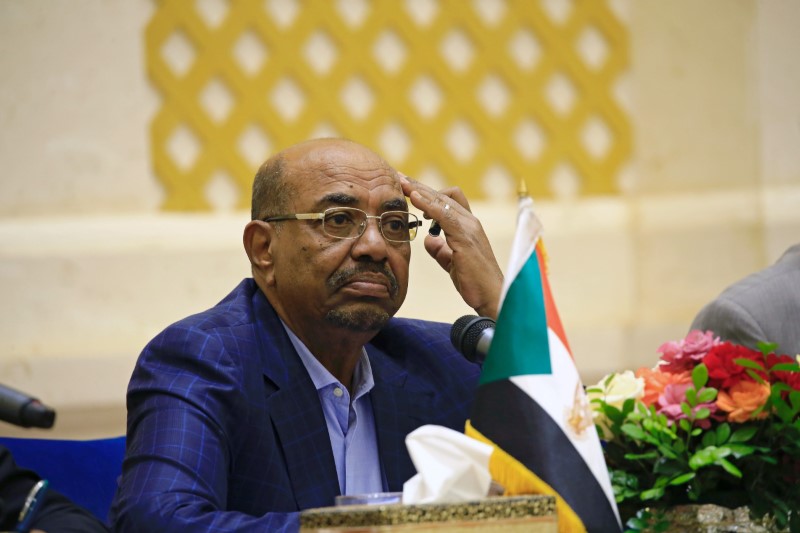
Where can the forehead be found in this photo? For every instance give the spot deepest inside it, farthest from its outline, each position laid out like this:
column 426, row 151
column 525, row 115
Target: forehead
column 315, row 171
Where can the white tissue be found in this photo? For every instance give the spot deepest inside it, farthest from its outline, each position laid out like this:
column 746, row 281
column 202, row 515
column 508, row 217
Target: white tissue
column 451, row 467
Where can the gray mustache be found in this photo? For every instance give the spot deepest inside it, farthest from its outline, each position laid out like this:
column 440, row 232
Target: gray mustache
column 343, row 277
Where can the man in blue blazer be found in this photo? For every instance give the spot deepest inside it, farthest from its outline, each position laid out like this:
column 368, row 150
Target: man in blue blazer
column 300, row 385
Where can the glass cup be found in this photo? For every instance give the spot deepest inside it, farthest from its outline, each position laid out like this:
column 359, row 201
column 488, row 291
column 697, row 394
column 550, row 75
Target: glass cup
column 372, row 498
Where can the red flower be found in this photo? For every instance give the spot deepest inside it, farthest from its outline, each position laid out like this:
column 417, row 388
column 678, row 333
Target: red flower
column 785, row 376
column 723, row 372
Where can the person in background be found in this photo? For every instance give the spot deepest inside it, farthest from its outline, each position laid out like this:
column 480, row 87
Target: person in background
column 763, row 307
column 55, row 514
column 300, row 385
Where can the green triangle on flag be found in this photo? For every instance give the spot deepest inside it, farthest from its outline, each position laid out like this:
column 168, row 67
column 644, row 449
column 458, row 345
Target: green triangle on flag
column 520, row 345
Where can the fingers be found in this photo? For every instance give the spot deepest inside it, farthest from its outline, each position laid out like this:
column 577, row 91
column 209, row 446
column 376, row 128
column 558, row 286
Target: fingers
column 447, row 207
column 439, row 251
column 465, row 252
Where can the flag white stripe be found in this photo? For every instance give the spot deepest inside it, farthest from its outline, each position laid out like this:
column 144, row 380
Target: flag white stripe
column 555, row 393
column 529, row 229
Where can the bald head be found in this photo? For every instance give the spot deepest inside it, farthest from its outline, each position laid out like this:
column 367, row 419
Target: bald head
column 271, row 191
column 317, row 281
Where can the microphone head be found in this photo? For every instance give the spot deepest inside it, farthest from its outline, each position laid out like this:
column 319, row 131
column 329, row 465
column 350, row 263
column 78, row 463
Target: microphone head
column 467, row 331
column 25, row 411
column 38, row 415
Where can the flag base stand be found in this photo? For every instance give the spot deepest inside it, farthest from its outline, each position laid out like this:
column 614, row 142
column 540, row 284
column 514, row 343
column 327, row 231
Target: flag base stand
column 536, row 514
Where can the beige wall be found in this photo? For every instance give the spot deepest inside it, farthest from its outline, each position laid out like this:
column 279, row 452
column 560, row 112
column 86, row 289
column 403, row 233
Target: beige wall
column 90, row 270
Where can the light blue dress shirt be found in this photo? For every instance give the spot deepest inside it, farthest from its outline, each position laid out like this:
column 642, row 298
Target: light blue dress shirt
column 351, row 424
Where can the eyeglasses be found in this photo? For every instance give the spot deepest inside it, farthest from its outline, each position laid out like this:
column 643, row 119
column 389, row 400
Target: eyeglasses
column 350, row 223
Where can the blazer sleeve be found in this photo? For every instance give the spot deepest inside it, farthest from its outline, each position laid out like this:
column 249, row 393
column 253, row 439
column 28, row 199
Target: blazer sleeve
column 182, row 401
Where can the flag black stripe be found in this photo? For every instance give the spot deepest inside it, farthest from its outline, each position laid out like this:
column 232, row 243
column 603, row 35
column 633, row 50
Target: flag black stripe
column 511, row 419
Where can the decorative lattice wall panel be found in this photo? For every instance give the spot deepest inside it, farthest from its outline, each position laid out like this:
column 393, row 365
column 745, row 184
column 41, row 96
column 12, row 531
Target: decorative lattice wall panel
column 475, row 93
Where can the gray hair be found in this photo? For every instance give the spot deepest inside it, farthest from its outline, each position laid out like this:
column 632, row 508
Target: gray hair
column 270, row 193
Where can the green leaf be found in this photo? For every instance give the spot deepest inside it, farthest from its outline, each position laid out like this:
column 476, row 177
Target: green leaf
column 749, row 363
column 686, row 410
column 699, row 376
column 633, row 431
column 652, row 494
column 627, row 406
column 785, row 367
column 755, row 376
column 667, row 452
column 744, row 434
column 708, row 456
column 794, row 399
column 691, row 396
column 682, row 479
column 723, row 432
column 685, row 425
column 783, row 410
column 707, row 395
column 662, row 526
column 636, row 524
column 729, row 467
column 709, row 439
column 740, row 450
column 701, row 458
column 702, row 413
column 767, row 348
column 613, row 414
column 635, row 456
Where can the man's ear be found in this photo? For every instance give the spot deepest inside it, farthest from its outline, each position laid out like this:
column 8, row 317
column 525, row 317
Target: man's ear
column 257, row 241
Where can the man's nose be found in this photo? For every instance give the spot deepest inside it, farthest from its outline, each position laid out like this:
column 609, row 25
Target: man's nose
column 371, row 243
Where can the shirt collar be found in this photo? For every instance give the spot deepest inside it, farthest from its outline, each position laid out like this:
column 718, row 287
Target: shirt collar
column 363, row 380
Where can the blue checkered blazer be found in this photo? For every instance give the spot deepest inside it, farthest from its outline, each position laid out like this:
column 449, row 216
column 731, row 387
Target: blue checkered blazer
column 226, row 431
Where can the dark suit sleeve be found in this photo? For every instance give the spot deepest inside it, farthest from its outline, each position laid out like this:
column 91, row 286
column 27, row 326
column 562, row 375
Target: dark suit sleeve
column 182, row 404
column 57, row 514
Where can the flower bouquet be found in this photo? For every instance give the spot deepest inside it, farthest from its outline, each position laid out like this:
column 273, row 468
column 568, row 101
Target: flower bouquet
column 712, row 422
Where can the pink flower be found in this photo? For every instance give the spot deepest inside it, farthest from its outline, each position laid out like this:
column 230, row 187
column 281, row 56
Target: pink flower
column 687, row 353
column 670, row 404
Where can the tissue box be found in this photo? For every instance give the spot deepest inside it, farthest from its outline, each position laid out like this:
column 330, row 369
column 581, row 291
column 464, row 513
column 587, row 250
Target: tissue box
column 535, row 514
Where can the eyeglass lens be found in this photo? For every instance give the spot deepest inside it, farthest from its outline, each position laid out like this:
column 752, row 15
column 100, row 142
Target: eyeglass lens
column 349, row 223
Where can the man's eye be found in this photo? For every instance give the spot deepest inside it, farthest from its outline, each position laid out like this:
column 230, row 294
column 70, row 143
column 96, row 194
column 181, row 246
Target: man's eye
column 395, row 223
column 339, row 219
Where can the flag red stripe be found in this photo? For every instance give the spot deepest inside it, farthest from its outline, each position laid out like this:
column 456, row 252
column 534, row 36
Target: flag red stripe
column 553, row 320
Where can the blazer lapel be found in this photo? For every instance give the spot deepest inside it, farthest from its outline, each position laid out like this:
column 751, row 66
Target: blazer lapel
column 398, row 410
column 300, row 426
column 296, row 415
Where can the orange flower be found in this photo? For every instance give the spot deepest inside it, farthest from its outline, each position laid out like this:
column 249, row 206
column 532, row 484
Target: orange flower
column 656, row 381
column 743, row 399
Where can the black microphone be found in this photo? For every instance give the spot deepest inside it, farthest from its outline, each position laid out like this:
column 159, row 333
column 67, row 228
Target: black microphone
column 472, row 335
column 23, row 410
